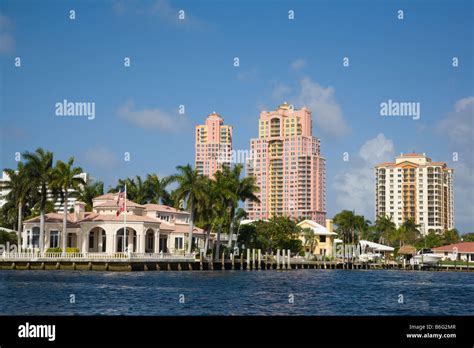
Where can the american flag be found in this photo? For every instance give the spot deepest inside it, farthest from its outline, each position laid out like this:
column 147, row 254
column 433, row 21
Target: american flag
column 121, row 196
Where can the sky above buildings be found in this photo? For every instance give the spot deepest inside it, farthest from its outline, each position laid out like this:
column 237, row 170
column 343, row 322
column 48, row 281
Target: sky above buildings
column 190, row 62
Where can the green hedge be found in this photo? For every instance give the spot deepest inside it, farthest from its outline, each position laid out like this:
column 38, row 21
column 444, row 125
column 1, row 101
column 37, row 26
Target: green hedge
column 60, row 250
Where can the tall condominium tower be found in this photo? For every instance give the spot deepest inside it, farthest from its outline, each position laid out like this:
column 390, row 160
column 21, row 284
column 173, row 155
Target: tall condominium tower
column 415, row 187
column 213, row 145
column 287, row 163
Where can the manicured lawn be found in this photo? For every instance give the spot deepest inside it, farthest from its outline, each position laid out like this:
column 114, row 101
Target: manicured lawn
column 446, row 263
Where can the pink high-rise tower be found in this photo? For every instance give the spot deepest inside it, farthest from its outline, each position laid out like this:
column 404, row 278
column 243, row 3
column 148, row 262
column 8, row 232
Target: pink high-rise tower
column 287, row 163
column 213, row 145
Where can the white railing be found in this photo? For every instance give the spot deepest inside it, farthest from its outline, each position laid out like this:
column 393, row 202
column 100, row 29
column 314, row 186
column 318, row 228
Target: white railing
column 37, row 256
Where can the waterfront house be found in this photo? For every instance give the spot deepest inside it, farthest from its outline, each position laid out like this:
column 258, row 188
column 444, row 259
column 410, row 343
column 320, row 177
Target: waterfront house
column 324, row 237
column 151, row 228
column 459, row 251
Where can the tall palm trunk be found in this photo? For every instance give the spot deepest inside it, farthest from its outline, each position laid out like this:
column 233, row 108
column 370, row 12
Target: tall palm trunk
column 237, row 235
column 208, row 236
column 20, row 223
column 231, row 229
column 218, row 244
column 64, row 234
column 191, row 228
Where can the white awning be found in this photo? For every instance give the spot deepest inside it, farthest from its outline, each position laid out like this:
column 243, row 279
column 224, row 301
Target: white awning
column 375, row 246
column 318, row 229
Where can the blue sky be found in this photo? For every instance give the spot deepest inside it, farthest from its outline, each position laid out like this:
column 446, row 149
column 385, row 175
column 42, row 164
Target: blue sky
column 190, row 62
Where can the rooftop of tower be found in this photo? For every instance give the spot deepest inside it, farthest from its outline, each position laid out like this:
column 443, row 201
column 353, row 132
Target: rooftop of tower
column 214, row 114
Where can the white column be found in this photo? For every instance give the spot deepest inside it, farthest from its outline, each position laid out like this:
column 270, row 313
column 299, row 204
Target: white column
column 142, row 241
column 46, row 242
column 253, row 258
column 99, row 242
column 259, row 258
column 25, row 239
column 85, row 242
column 130, row 234
column 157, row 241
column 283, row 259
column 110, row 242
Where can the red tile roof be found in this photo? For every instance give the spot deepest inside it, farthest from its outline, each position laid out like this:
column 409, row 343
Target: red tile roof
column 113, row 203
column 163, row 208
column 386, row 164
column 56, row 217
column 464, row 247
column 107, row 196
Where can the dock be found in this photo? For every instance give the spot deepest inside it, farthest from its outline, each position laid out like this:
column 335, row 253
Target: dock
column 164, row 262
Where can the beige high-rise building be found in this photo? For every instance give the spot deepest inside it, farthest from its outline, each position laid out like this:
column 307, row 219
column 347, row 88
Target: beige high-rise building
column 213, row 145
column 287, row 164
column 415, row 187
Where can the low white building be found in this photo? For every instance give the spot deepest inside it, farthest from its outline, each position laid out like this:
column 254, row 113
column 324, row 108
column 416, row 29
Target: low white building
column 456, row 252
column 151, row 228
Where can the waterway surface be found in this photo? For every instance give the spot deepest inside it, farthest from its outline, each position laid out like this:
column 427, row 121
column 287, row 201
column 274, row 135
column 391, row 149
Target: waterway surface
column 296, row 292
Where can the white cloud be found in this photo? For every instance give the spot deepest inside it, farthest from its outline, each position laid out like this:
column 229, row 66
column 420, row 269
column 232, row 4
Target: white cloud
column 298, row 64
column 326, row 112
column 456, row 128
column 161, row 9
column 354, row 186
column 5, row 22
column 458, row 124
column 247, row 75
column 119, row 7
column 464, row 194
column 7, row 43
column 280, row 91
column 152, row 119
column 100, row 158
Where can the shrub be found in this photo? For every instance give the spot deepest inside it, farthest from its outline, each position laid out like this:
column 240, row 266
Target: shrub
column 53, row 250
column 60, row 250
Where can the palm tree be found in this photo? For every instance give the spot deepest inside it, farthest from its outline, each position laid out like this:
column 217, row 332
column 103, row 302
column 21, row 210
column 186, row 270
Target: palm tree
column 309, row 238
column 211, row 211
column 385, row 227
column 20, row 188
column 191, row 190
column 345, row 221
column 66, row 177
column 361, row 225
column 155, row 189
column 240, row 214
column 242, row 190
column 411, row 230
column 89, row 191
column 451, row 236
column 39, row 168
column 224, row 199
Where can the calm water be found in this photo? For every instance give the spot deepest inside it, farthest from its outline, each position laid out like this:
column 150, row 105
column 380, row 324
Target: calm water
column 316, row 292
